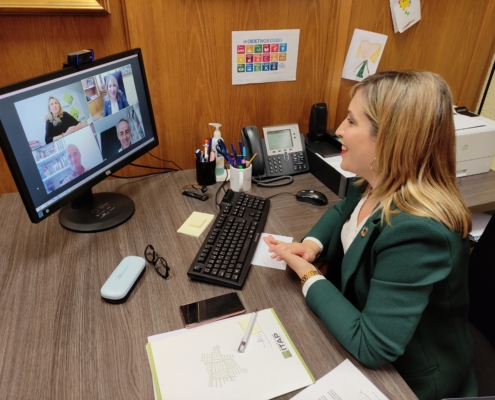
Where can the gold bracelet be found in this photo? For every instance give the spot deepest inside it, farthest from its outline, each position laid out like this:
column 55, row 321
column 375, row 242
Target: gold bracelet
column 308, row 275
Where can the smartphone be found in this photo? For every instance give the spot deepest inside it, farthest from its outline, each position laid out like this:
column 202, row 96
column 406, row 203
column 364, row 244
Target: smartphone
column 213, row 309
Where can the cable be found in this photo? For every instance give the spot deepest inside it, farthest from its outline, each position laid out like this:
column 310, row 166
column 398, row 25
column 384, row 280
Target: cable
column 269, row 182
column 149, row 166
column 278, row 194
column 140, row 176
column 221, row 186
column 158, row 158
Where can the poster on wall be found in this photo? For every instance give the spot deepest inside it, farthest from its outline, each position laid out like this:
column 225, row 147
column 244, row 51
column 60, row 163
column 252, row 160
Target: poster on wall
column 405, row 13
column 264, row 56
column 364, row 54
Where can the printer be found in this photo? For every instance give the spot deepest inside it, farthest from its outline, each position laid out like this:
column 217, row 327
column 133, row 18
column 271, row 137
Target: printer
column 475, row 144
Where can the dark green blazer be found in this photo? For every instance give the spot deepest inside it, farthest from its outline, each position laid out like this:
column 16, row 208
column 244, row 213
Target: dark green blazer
column 398, row 295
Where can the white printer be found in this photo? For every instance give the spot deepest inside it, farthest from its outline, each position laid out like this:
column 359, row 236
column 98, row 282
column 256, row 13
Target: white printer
column 475, row 144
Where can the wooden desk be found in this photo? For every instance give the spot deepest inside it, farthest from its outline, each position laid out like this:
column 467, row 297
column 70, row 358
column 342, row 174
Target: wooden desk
column 478, row 191
column 59, row 339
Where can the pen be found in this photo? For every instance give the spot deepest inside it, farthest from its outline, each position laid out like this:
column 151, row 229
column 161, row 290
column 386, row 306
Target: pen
column 233, row 149
column 251, row 160
column 240, row 146
column 249, row 329
column 238, row 160
column 198, row 155
column 206, row 149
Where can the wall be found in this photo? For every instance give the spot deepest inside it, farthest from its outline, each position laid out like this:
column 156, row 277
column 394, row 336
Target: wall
column 187, row 54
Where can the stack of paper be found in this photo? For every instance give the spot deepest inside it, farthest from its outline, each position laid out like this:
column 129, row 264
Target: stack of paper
column 203, row 362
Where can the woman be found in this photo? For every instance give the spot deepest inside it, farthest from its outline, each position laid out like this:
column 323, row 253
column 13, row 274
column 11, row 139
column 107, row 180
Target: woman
column 58, row 122
column 397, row 247
column 115, row 99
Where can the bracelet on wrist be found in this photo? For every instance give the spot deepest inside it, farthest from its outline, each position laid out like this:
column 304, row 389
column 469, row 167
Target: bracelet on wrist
column 308, row 275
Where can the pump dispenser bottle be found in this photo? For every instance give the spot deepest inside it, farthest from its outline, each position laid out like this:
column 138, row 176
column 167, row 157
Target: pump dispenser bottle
column 220, row 172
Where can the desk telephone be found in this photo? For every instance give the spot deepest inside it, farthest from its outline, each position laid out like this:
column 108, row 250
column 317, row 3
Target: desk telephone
column 281, row 153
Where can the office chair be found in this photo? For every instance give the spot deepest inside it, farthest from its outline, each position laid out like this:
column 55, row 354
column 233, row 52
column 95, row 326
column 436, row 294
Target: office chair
column 482, row 308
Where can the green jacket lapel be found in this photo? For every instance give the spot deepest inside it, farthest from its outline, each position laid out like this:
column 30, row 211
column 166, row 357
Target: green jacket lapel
column 356, row 251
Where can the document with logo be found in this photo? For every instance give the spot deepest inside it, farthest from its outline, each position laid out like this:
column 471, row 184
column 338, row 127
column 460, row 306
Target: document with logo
column 204, row 363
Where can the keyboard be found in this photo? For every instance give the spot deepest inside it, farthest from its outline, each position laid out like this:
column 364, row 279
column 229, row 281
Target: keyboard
column 225, row 255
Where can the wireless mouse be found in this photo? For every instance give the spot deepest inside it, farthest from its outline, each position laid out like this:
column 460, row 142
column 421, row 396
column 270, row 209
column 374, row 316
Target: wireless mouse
column 312, row 197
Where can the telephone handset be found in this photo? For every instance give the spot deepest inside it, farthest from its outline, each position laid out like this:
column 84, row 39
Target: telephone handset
column 281, row 153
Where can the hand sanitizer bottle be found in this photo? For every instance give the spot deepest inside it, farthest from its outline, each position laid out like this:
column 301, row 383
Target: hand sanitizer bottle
column 220, row 172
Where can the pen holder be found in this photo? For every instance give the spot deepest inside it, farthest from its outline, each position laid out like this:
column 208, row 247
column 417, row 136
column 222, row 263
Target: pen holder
column 240, row 179
column 205, row 173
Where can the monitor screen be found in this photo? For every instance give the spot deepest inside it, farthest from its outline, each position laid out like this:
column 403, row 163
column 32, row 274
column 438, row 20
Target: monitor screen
column 64, row 132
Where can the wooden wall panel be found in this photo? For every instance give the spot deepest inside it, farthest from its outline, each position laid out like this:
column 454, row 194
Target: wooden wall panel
column 454, row 39
column 187, row 51
column 33, row 45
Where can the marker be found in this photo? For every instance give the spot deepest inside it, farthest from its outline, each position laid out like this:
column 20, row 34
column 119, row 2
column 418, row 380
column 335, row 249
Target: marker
column 238, row 160
column 247, row 334
column 206, row 149
column 251, row 160
column 198, row 155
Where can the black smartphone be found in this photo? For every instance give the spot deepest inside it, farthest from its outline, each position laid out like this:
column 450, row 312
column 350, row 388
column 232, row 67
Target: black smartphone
column 212, row 309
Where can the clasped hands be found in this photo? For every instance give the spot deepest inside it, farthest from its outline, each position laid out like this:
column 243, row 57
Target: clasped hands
column 298, row 256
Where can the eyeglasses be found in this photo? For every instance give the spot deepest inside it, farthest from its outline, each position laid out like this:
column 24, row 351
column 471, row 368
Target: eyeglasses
column 159, row 263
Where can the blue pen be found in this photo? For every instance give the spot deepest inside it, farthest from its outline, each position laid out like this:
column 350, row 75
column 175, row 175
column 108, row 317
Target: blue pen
column 240, row 146
column 243, row 153
column 233, row 149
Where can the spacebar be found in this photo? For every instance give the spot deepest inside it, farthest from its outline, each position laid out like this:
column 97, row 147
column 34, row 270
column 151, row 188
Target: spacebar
column 245, row 249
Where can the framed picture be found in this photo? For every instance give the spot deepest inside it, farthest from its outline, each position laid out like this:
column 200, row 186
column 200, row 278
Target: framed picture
column 55, row 7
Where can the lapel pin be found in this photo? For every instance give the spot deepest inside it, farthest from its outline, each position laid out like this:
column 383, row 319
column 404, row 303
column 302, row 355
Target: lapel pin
column 364, row 231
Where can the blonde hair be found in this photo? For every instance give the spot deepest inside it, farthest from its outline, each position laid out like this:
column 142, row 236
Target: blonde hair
column 412, row 117
column 55, row 119
column 109, row 78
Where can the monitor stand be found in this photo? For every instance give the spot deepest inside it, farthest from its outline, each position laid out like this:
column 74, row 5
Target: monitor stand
column 96, row 212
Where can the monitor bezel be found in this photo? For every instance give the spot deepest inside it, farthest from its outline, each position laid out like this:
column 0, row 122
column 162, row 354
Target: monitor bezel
column 11, row 159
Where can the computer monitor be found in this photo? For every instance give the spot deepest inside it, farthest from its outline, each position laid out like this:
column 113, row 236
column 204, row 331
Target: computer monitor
column 64, row 132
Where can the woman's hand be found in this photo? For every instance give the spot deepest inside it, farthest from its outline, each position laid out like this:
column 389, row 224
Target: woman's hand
column 72, row 129
column 296, row 255
column 303, row 250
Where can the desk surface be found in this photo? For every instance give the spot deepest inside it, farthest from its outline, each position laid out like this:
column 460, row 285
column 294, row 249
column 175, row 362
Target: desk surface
column 59, row 339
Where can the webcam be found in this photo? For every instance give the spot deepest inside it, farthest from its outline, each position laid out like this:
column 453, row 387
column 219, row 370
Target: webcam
column 78, row 58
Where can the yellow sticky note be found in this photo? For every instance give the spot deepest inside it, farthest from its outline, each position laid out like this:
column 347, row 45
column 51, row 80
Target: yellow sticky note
column 196, row 224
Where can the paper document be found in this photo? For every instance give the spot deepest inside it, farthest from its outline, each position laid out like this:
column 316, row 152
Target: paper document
column 203, row 362
column 263, row 257
column 344, row 382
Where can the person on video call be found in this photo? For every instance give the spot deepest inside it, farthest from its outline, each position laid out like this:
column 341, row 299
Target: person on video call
column 58, row 122
column 397, row 248
column 73, row 156
column 115, row 99
column 124, row 134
